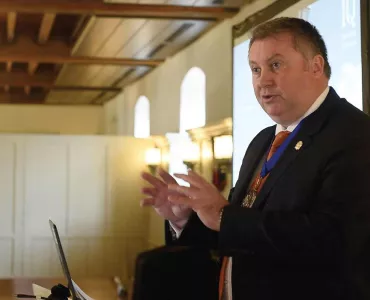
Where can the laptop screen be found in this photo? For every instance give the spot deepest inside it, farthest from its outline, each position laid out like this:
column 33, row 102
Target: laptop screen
column 62, row 259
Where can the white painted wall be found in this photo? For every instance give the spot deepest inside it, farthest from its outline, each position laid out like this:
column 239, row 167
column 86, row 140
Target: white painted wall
column 114, row 121
column 90, row 186
column 51, row 119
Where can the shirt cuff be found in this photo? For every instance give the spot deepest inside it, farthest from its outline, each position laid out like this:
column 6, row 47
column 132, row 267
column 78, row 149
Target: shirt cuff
column 178, row 228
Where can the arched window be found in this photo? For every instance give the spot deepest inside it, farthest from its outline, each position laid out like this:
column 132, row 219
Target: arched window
column 193, row 100
column 142, row 118
column 192, row 115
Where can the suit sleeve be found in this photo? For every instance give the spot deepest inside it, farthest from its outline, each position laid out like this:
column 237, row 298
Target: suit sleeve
column 195, row 233
column 338, row 219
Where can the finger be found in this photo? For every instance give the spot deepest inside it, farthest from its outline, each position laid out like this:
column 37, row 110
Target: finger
column 187, row 191
column 167, row 178
column 192, row 180
column 149, row 191
column 197, row 177
column 152, row 180
column 147, row 202
column 181, row 200
column 174, row 193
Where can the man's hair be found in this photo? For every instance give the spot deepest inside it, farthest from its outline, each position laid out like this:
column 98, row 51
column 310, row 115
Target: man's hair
column 303, row 33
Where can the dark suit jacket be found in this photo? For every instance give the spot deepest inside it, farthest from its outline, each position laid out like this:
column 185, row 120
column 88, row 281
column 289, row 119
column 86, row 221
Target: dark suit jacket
column 307, row 235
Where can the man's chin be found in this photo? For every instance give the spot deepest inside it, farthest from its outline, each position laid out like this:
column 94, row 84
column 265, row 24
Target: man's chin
column 274, row 114
column 281, row 121
column 277, row 118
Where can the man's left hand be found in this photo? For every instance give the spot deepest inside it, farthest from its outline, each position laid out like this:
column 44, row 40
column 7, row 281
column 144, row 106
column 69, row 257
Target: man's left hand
column 202, row 197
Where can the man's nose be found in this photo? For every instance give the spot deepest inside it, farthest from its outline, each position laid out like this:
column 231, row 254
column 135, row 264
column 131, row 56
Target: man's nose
column 266, row 78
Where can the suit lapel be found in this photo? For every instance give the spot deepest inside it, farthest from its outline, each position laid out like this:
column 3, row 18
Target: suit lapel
column 288, row 157
column 250, row 163
column 311, row 126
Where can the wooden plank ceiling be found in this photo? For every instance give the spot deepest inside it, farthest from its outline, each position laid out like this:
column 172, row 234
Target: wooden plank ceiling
column 83, row 52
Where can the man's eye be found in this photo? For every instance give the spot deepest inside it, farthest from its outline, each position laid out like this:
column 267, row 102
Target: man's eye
column 276, row 65
column 255, row 70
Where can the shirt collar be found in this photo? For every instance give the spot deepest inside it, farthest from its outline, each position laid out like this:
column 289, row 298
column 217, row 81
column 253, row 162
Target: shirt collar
column 313, row 107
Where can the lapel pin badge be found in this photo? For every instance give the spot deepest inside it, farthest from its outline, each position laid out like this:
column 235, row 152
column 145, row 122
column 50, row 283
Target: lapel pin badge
column 298, row 145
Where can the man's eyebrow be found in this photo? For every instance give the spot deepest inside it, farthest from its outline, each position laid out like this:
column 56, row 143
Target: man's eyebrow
column 269, row 59
column 275, row 56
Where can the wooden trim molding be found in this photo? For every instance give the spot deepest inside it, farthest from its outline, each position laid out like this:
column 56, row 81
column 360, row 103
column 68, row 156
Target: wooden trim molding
column 261, row 16
column 224, row 127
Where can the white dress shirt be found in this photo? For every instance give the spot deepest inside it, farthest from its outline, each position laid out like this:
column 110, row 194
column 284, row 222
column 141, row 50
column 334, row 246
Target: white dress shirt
column 314, row 107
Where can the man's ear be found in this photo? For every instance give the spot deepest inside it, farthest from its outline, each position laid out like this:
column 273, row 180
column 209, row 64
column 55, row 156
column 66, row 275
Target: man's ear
column 318, row 64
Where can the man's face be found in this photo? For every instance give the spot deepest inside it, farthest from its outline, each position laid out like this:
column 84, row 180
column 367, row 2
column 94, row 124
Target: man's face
column 281, row 75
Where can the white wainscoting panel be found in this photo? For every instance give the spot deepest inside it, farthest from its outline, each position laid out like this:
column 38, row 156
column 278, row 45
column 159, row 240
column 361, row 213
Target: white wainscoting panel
column 90, row 186
column 87, row 185
column 6, row 256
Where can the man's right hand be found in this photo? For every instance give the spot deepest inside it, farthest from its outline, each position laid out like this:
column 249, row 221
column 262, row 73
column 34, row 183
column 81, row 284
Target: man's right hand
column 158, row 198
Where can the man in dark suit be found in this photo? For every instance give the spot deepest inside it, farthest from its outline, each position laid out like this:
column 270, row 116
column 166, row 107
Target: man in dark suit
column 297, row 223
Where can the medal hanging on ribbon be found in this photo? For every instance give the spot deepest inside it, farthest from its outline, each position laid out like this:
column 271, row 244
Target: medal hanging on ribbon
column 266, row 169
column 252, row 194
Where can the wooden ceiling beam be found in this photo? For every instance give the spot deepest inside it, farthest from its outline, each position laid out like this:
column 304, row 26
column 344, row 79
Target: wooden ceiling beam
column 84, row 60
column 119, row 10
column 46, row 27
column 44, row 34
column 9, row 66
column 81, row 25
column 11, row 24
column 46, row 81
column 22, row 98
column 62, row 88
column 32, row 67
column 26, row 45
column 22, row 78
column 27, row 90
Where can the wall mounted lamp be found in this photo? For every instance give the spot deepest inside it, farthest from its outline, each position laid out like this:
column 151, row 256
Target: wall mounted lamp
column 153, row 159
column 223, row 149
column 222, row 154
column 191, row 154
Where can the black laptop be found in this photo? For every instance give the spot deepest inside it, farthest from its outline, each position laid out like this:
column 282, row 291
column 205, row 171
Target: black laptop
column 63, row 260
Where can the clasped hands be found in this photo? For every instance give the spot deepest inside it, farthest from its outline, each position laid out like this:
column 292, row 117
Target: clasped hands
column 175, row 203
